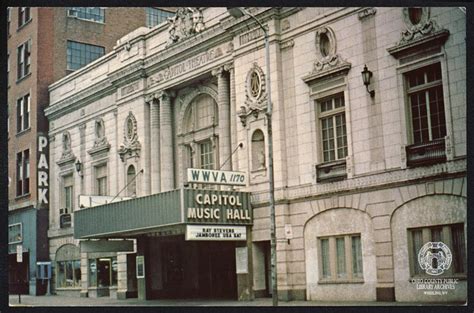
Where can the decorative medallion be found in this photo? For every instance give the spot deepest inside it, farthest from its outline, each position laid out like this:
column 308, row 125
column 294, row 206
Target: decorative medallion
column 328, row 62
column 421, row 34
column 131, row 146
column 418, row 23
column 185, row 23
column 255, row 89
column 130, row 128
column 325, row 49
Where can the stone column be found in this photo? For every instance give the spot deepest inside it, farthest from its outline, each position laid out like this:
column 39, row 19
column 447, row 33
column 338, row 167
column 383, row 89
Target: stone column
column 84, row 275
column 224, row 118
column 233, row 121
column 166, row 142
column 154, row 144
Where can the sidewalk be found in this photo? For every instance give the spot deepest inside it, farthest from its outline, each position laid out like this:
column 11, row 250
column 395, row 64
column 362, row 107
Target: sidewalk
column 45, row 301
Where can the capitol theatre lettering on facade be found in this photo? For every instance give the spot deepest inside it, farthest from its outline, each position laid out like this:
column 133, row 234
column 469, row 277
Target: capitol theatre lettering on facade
column 213, row 207
column 43, row 171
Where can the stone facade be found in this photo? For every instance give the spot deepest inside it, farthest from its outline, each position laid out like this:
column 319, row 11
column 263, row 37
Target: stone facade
column 378, row 189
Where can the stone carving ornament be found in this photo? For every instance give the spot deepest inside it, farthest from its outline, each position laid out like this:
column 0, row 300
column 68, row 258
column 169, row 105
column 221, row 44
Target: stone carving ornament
column 186, row 22
column 131, row 146
column 325, row 49
column 255, row 88
column 67, row 154
column 418, row 23
column 100, row 139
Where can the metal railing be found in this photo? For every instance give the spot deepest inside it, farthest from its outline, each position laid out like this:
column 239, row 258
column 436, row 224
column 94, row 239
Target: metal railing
column 426, row 153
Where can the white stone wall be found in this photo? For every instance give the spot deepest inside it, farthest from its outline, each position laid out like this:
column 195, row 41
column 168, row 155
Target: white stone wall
column 376, row 133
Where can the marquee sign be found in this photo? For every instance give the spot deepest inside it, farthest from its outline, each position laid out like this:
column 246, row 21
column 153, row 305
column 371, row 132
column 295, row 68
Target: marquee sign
column 215, row 233
column 202, row 176
column 217, row 207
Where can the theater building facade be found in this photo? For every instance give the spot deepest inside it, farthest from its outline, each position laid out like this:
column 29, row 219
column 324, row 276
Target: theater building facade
column 370, row 187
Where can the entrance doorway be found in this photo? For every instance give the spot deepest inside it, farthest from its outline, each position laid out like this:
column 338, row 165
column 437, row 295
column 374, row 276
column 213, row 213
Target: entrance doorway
column 18, row 274
column 192, row 269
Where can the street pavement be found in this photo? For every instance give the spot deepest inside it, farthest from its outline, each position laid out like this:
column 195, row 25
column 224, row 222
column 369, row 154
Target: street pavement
column 55, row 300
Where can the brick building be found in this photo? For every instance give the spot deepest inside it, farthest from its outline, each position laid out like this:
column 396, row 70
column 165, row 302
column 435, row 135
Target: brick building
column 367, row 175
column 44, row 45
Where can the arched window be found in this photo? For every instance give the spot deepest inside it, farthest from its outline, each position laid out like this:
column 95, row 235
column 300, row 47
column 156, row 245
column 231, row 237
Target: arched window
column 131, row 181
column 258, row 150
column 200, row 121
column 201, row 114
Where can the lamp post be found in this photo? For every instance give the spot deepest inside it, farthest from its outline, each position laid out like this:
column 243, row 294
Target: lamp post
column 237, row 13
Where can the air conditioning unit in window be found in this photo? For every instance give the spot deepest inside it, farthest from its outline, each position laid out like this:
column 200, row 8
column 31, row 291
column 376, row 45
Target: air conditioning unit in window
column 65, row 220
column 72, row 12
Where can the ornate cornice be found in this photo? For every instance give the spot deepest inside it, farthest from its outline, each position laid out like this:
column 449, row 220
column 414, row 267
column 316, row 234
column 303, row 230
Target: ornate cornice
column 435, row 39
column 365, row 13
column 394, row 178
column 79, row 99
column 340, row 69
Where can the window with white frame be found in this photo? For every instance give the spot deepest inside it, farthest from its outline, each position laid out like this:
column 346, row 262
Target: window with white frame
column 95, row 14
column 451, row 235
column 24, row 59
column 15, row 234
column 23, row 15
column 80, row 54
column 207, row 155
column 101, row 180
column 332, row 120
column 340, row 258
column 68, row 194
column 23, row 113
column 426, row 104
column 23, row 173
column 156, row 16
column 199, row 135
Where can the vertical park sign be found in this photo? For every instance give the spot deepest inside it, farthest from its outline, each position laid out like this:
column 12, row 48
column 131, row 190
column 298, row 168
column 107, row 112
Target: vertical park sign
column 43, row 171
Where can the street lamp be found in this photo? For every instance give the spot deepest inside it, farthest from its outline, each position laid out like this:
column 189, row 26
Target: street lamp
column 237, row 13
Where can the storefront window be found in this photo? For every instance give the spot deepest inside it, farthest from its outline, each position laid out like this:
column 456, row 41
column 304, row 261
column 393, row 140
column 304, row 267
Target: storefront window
column 68, row 274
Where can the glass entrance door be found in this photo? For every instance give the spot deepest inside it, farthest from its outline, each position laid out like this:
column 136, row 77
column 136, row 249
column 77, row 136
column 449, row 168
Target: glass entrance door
column 104, row 272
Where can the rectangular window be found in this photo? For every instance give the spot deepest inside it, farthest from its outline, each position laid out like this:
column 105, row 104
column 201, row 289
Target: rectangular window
column 356, row 257
column 23, row 15
column 451, row 235
column 207, row 155
column 23, row 173
column 24, row 60
column 15, row 233
column 155, row 16
column 68, row 274
column 326, row 270
column 81, row 54
column 333, row 128
column 425, row 94
column 23, row 113
column 341, row 259
column 95, row 14
column 68, row 190
column 101, row 180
